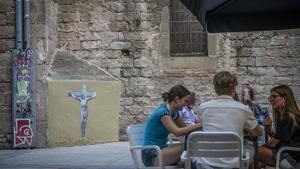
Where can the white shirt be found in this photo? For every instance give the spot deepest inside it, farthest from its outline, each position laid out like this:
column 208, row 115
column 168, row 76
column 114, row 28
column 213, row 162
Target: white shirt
column 187, row 115
column 225, row 114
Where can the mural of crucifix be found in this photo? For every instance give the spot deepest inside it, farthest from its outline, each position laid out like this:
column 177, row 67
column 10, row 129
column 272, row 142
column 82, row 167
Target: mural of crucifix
column 83, row 97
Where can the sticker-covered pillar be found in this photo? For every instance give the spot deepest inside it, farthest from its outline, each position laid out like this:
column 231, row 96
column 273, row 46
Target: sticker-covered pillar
column 23, row 81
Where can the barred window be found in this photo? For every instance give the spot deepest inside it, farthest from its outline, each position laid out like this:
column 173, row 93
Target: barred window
column 187, row 37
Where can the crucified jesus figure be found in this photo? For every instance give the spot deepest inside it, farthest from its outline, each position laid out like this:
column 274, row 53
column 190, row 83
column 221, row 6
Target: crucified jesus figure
column 83, row 97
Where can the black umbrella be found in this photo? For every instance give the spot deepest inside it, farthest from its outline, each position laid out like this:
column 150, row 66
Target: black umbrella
column 245, row 15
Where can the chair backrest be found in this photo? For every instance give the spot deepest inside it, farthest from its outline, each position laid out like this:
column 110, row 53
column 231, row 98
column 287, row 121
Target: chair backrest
column 214, row 145
column 136, row 139
column 136, row 134
column 282, row 149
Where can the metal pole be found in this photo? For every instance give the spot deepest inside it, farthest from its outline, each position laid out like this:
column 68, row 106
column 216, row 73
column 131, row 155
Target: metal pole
column 19, row 41
column 15, row 52
column 27, row 23
column 31, row 55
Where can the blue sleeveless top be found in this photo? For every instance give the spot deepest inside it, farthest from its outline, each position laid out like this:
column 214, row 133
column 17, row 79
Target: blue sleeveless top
column 155, row 131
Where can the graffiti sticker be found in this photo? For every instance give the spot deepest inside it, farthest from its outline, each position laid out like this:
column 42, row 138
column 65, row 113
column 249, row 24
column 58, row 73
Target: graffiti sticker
column 23, row 64
column 21, row 59
column 23, row 132
column 22, row 88
column 23, row 107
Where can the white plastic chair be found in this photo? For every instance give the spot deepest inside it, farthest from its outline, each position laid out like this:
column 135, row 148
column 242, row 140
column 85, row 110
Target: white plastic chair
column 136, row 138
column 214, row 145
column 282, row 149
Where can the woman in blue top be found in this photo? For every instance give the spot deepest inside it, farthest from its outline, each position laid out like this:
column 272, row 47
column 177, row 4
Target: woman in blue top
column 163, row 121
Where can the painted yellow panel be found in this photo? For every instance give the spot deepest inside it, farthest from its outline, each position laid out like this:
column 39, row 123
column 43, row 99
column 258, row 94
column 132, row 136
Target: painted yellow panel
column 64, row 112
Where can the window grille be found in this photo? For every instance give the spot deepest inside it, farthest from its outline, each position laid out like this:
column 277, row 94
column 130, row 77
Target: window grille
column 187, row 37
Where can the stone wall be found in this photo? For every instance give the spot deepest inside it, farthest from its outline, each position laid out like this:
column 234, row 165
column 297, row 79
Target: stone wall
column 7, row 39
column 97, row 39
column 107, row 34
column 264, row 59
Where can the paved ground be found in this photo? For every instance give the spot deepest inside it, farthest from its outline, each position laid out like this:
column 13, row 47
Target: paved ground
column 99, row 156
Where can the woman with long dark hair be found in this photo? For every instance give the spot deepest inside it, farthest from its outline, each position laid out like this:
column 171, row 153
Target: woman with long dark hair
column 286, row 116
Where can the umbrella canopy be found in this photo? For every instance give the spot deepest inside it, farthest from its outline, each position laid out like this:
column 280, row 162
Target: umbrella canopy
column 245, row 15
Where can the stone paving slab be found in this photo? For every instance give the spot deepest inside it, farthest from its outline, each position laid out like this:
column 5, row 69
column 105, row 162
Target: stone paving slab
column 99, row 156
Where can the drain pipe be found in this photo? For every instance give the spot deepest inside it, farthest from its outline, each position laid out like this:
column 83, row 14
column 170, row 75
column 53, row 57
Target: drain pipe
column 30, row 53
column 27, row 24
column 19, row 46
column 19, row 41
